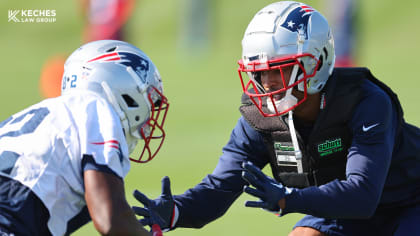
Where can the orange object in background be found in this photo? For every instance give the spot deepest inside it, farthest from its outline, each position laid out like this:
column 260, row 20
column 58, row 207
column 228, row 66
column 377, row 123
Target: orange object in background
column 51, row 73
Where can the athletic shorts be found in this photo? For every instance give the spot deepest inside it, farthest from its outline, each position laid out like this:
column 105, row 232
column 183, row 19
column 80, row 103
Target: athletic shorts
column 396, row 222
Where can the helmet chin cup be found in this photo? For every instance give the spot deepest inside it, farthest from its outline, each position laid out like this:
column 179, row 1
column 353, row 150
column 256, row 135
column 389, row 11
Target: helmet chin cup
column 144, row 130
column 283, row 105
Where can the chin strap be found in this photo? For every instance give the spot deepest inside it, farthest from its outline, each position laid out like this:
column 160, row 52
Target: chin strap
column 131, row 141
column 111, row 99
column 298, row 153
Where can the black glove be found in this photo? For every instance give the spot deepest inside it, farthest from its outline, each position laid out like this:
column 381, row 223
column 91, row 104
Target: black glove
column 266, row 189
column 161, row 211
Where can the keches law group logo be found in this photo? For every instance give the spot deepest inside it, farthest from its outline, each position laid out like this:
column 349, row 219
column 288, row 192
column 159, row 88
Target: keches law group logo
column 32, row 16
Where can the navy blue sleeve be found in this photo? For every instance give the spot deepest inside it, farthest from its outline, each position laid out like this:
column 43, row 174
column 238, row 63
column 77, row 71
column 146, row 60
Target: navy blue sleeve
column 373, row 126
column 212, row 197
column 88, row 163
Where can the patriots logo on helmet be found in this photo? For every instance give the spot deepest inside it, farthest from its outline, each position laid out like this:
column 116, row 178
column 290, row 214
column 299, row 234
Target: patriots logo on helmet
column 298, row 19
column 140, row 65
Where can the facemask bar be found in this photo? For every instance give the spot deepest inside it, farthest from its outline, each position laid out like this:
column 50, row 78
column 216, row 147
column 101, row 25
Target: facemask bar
column 253, row 87
column 152, row 131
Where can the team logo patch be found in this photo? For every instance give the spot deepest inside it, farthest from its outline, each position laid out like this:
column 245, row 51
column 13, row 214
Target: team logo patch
column 139, row 64
column 329, row 147
column 298, row 19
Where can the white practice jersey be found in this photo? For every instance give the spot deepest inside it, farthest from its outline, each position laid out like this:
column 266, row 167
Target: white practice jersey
column 42, row 147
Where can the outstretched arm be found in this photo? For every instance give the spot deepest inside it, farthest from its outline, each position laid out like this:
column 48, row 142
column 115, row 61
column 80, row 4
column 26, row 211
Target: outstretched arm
column 213, row 196
column 218, row 190
column 108, row 208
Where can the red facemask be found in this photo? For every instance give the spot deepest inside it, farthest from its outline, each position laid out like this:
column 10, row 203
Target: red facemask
column 152, row 131
column 264, row 99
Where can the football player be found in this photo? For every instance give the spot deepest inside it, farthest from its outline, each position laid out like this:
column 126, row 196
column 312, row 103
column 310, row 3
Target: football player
column 63, row 160
column 335, row 139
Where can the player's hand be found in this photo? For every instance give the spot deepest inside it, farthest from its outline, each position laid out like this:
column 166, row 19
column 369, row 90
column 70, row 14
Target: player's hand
column 161, row 211
column 269, row 191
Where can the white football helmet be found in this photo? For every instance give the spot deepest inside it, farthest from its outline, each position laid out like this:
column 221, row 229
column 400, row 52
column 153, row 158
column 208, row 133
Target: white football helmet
column 127, row 78
column 286, row 34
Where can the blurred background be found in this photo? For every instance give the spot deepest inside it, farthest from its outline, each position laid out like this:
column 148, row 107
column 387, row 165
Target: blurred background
column 196, row 45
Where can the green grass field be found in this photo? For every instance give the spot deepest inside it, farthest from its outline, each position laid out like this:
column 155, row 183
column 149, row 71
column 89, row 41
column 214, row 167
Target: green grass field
column 202, row 85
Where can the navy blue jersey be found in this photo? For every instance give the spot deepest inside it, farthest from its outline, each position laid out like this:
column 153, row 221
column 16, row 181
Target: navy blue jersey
column 381, row 171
